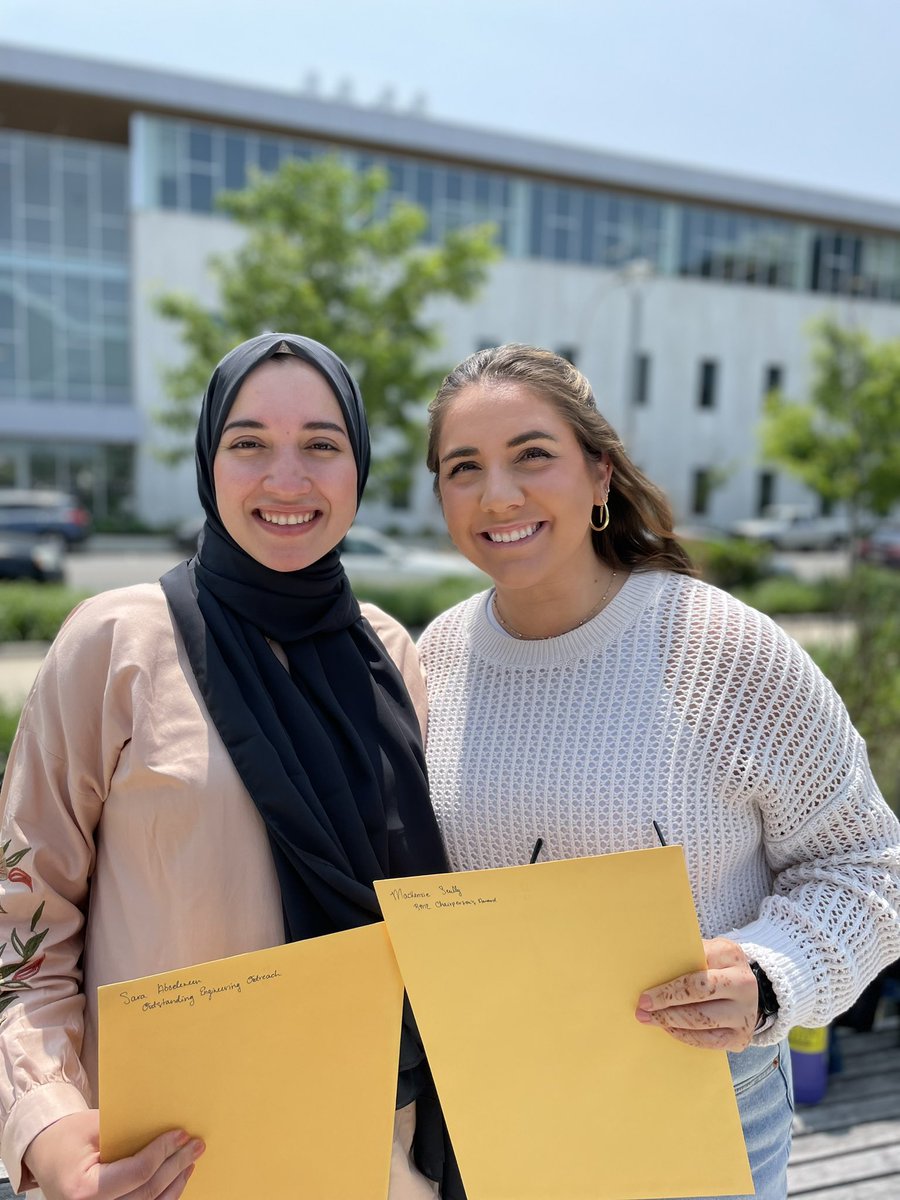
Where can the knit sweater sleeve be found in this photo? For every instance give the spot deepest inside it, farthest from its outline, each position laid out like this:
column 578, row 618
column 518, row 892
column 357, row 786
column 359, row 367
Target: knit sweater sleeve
column 832, row 920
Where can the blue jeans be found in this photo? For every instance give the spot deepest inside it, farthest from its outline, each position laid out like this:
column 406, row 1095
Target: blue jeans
column 762, row 1084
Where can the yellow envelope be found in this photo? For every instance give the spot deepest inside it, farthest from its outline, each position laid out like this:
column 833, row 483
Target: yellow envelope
column 524, row 982
column 284, row 1061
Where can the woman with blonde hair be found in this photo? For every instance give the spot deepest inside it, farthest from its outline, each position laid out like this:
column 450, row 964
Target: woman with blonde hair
column 599, row 693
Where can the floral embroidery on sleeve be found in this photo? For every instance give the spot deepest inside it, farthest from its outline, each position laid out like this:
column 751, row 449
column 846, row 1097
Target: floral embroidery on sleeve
column 21, row 964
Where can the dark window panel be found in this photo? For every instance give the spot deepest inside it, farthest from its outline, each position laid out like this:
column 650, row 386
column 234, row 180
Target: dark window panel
column 37, row 173
column 773, row 378
column 706, row 396
column 113, row 185
column 454, row 185
column 7, row 304
column 38, row 232
column 76, row 229
column 200, row 146
column 765, row 491
column 115, row 362
column 235, row 162
column 5, row 202
column 168, row 192
column 641, row 395
column 113, row 241
column 269, row 155
column 201, row 193
column 8, row 371
column 537, row 221
column 77, row 298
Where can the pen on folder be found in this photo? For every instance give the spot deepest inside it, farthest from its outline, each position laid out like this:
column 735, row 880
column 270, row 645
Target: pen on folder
column 536, row 851
column 659, row 834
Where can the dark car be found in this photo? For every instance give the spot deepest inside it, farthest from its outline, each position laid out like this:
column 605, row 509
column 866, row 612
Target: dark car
column 26, row 556
column 46, row 514
column 881, row 546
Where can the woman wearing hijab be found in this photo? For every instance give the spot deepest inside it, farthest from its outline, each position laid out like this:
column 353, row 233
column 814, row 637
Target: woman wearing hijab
column 208, row 767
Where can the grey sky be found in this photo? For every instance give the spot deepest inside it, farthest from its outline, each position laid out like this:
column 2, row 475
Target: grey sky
column 801, row 90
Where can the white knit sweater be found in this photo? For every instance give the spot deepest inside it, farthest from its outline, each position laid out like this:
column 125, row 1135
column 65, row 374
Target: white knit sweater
column 678, row 704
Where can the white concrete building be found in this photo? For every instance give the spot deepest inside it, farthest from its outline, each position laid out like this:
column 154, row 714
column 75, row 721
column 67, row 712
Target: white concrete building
column 684, row 295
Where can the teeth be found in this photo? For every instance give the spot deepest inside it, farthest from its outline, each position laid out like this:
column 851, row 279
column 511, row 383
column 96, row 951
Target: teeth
column 514, row 535
column 287, row 518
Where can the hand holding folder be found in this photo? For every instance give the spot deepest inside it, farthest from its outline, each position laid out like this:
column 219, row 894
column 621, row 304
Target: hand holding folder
column 524, row 983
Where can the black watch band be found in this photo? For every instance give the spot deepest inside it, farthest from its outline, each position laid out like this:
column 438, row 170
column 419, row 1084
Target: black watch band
column 768, row 1001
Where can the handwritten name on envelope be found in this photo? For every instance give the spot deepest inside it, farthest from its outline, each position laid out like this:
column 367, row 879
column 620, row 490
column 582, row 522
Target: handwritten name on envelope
column 524, row 982
column 284, row 1061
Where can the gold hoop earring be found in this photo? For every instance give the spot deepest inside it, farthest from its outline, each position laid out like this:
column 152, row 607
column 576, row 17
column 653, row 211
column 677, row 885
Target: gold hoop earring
column 604, row 520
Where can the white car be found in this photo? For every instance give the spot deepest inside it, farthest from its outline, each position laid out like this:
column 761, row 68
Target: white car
column 794, row 527
column 372, row 558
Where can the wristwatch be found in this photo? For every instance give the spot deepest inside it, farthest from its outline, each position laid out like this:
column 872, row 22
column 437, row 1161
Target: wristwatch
column 768, row 1001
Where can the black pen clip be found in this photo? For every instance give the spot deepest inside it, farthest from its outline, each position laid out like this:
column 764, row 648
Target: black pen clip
column 536, row 851
column 659, row 834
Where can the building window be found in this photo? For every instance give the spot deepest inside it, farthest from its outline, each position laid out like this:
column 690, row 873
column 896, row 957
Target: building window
column 766, row 491
column 569, row 353
column 773, row 378
column 701, row 491
column 641, row 391
column 706, row 394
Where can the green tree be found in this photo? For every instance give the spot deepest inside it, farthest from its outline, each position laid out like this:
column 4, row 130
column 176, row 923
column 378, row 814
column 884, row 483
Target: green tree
column 326, row 255
column 843, row 442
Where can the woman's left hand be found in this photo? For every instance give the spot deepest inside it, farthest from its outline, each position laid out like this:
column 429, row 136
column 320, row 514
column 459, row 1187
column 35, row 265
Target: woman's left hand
column 715, row 1009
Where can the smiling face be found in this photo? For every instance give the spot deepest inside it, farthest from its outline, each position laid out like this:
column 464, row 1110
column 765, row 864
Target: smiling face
column 517, row 489
column 284, row 471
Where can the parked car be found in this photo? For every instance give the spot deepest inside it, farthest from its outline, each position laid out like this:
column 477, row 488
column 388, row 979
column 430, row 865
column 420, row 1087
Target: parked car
column 794, row 527
column 371, row 557
column 881, row 546
column 27, row 556
column 45, row 513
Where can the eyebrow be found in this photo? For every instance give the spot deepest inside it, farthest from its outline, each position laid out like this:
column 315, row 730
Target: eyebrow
column 247, row 423
column 530, row 436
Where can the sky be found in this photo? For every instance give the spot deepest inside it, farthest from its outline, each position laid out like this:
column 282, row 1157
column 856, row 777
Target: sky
column 799, row 91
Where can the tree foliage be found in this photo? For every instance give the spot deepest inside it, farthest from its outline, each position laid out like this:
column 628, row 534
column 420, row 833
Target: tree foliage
column 843, row 442
column 325, row 255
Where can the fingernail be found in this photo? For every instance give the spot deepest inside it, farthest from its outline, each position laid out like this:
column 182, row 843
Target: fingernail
column 197, row 1149
column 643, row 1017
column 182, row 1139
column 645, row 1003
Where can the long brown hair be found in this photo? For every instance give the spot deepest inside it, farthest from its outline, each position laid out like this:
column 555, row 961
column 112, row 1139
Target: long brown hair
column 639, row 533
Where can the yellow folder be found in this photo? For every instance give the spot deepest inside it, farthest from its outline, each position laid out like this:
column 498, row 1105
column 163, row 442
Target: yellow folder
column 285, row 1062
column 524, row 982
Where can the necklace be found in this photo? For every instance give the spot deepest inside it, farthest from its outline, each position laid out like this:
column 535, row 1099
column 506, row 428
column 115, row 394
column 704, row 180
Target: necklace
column 545, row 637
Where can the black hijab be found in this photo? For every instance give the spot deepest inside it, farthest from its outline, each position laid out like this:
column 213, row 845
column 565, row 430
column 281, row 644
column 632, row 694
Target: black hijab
column 330, row 749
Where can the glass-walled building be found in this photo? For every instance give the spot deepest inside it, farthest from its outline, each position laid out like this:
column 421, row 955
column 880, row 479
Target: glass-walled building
column 684, row 295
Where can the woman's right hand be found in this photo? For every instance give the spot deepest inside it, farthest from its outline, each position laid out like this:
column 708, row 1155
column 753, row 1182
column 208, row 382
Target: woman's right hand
column 64, row 1158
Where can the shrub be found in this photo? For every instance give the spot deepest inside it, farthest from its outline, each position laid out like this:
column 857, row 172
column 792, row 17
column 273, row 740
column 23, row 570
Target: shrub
column 32, row 612
column 730, row 563
column 9, row 720
column 781, row 596
column 414, row 605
